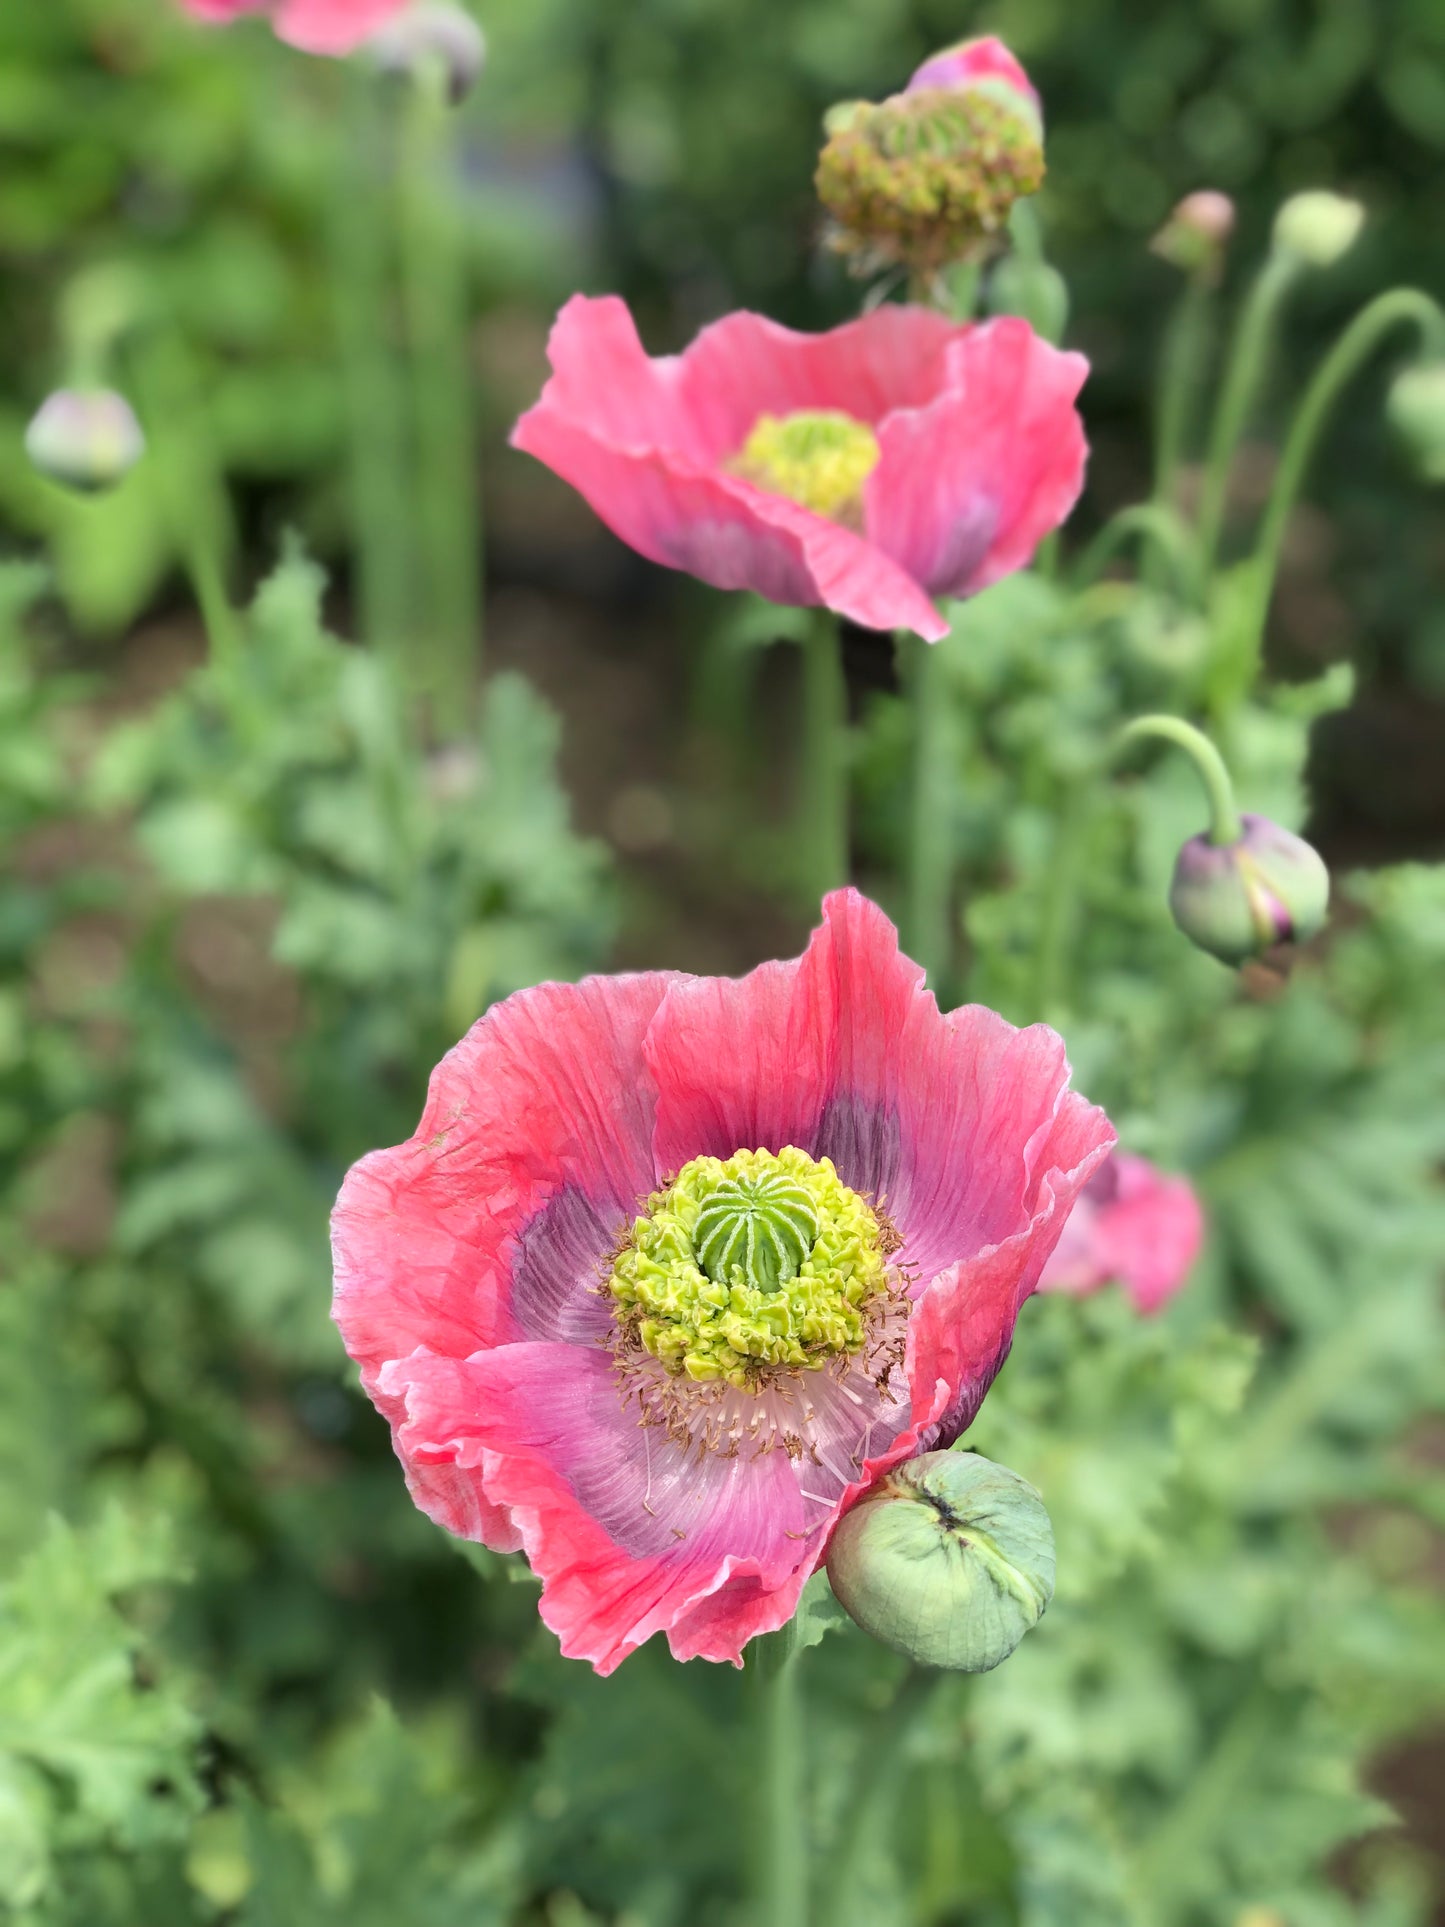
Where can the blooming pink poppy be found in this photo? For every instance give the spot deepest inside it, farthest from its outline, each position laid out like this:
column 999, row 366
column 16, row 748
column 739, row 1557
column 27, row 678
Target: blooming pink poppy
column 893, row 459
column 674, row 1267
column 316, row 26
column 1135, row 1224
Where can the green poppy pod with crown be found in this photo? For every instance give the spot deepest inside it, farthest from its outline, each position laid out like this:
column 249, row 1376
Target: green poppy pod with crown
column 949, row 1560
column 928, row 177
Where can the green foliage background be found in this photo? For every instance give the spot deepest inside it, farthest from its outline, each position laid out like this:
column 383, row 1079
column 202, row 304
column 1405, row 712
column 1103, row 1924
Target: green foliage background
column 240, row 1678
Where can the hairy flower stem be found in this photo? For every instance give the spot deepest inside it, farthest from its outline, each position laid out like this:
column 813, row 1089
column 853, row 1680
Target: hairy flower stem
column 823, row 831
column 371, row 376
column 1400, row 306
column 1224, row 824
column 448, row 495
column 781, row 1828
column 930, row 859
column 1186, row 351
column 1244, row 376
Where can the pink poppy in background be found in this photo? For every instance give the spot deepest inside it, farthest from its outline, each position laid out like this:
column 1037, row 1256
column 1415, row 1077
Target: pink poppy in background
column 894, row 459
column 482, row 1271
column 1135, row 1225
column 316, row 26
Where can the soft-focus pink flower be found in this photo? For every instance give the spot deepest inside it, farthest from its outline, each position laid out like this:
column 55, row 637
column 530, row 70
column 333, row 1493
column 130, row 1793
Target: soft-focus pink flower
column 1134, row 1224
column 972, row 61
column 469, row 1263
column 316, row 26
column 980, row 451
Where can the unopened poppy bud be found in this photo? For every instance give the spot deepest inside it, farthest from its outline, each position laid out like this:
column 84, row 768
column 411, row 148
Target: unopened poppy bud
column 1197, row 232
column 435, row 35
column 1317, row 227
column 927, row 177
column 86, row 438
column 948, row 1560
column 1236, row 900
column 1415, row 409
column 1034, row 289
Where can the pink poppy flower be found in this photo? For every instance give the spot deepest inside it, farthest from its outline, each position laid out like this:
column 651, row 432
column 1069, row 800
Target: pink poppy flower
column 1135, row 1224
column 893, row 459
column 675, row 1267
column 316, row 26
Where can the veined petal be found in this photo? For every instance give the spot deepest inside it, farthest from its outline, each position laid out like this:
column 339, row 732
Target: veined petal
column 967, row 486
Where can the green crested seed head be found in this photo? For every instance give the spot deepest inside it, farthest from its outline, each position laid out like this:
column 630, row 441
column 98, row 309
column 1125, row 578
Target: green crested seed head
column 928, row 178
column 949, row 1560
column 817, row 457
column 750, row 1263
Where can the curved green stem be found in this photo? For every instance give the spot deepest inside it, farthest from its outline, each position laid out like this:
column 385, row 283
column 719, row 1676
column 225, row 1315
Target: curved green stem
column 1224, row 823
column 930, row 855
column 823, row 831
column 1154, row 521
column 781, row 1830
column 1339, row 367
column 1244, row 375
column 434, row 295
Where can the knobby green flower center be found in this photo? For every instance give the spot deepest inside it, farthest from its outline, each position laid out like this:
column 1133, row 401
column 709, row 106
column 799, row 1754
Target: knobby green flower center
column 818, row 457
column 751, row 1263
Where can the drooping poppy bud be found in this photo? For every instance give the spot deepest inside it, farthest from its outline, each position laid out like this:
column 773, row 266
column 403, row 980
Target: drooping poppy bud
column 927, row 177
column 1318, row 228
column 1238, row 899
column 1415, row 410
column 948, row 1560
column 436, row 35
column 85, row 438
column 1026, row 285
column 1197, row 232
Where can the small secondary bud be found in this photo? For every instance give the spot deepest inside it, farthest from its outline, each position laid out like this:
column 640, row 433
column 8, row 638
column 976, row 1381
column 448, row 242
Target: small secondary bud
column 1197, row 232
column 85, row 438
column 1317, row 227
column 1415, row 410
column 432, row 34
column 1237, row 900
column 928, row 177
column 948, row 1560
column 1034, row 289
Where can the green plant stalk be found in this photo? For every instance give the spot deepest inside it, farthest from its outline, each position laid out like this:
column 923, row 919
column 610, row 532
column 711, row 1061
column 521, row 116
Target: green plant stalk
column 1224, row 824
column 823, row 831
column 1155, row 522
column 930, row 858
column 781, row 1828
column 382, row 537
column 1244, row 375
column 874, row 1792
column 1058, row 911
column 1186, row 350
column 1359, row 340
column 447, row 488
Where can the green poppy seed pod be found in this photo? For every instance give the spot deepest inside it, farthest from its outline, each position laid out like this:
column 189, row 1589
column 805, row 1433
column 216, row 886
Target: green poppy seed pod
column 435, row 35
column 948, row 1560
column 1237, row 900
column 85, row 438
column 1317, row 227
column 1415, row 410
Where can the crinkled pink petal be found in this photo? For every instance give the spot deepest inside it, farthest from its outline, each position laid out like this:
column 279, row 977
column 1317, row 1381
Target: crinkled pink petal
column 1135, row 1224
column 986, row 58
column 629, row 1533
column 845, row 1054
column 316, row 26
column 535, row 1145
column 982, row 451
column 967, row 486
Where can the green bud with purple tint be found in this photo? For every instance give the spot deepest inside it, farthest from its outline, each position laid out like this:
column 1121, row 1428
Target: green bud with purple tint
column 433, row 35
column 1238, row 899
column 85, row 438
column 949, row 1560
